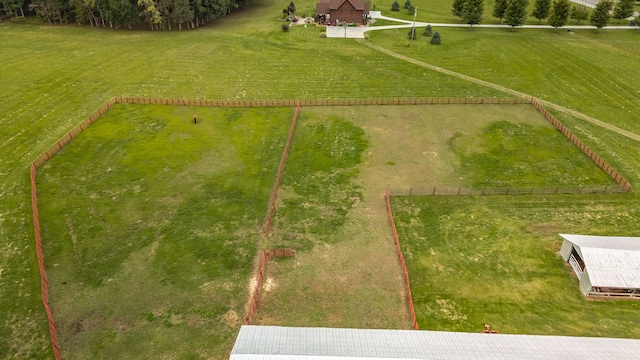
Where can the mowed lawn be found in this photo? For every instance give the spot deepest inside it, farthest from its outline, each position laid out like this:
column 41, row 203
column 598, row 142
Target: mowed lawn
column 150, row 226
column 53, row 77
column 476, row 260
column 439, row 11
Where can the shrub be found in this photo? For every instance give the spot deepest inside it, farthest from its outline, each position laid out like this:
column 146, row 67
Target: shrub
column 285, row 27
column 412, row 33
column 427, row 31
column 436, row 38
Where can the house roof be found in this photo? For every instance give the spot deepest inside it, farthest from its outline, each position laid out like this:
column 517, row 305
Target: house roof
column 611, row 261
column 324, row 6
column 298, row 343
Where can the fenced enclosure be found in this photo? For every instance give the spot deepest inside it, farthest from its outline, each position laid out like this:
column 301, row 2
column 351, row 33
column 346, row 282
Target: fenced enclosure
column 617, row 177
column 412, row 310
column 622, row 187
column 528, row 190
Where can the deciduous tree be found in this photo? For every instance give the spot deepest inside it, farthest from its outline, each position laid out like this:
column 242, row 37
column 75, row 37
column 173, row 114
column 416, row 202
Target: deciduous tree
column 499, row 7
column 516, row 12
column 472, row 12
column 150, row 12
column 182, row 13
column 457, row 7
column 623, row 9
column 541, row 9
column 559, row 14
column 579, row 13
column 12, row 8
column 601, row 14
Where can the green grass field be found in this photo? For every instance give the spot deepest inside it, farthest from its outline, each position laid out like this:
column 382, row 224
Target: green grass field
column 150, row 226
column 332, row 212
column 53, row 77
column 439, row 11
column 477, row 260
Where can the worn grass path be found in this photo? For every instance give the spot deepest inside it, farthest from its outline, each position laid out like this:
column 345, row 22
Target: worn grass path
column 506, row 90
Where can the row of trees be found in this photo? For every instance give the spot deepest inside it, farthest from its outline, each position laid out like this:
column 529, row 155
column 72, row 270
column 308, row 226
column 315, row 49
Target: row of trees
column 158, row 14
column 556, row 12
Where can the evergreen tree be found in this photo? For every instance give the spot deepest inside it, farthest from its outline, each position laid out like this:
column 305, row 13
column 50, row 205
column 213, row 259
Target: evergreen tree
column 395, row 6
column 291, row 8
column 457, row 7
column 559, row 14
column 499, row 7
column 407, row 4
column 601, row 14
column 411, row 10
column 427, row 30
column 541, row 9
column 412, row 33
column 472, row 11
column 579, row 13
column 436, row 40
column 623, row 9
column 516, row 13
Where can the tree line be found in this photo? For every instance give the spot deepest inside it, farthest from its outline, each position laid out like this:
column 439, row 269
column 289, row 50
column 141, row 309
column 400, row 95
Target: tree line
column 158, row 14
column 556, row 12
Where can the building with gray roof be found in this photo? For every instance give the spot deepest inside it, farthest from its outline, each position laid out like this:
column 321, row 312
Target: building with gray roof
column 604, row 265
column 302, row 343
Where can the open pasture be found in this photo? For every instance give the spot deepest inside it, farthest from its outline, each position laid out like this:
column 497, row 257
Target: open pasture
column 331, row 207
column 150, row 225
column 476, row 260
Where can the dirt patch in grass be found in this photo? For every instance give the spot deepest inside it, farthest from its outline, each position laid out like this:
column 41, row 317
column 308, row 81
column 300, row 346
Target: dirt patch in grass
column 414, row 146
column 345, row 273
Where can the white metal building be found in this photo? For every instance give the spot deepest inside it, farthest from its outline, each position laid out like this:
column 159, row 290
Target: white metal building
column 605, row 265
column 299, row 343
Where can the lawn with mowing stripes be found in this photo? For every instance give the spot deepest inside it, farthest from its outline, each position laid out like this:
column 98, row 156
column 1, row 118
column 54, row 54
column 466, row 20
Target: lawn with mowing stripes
column 150, row 225
column 594, row 74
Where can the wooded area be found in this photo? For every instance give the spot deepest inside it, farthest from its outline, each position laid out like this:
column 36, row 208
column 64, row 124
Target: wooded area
column 158, row 14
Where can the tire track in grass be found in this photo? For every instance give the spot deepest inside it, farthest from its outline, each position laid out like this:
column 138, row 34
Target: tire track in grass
column 546, row 103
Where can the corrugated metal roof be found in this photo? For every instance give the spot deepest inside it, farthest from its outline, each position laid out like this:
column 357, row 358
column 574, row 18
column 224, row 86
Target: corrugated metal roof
column 611, row 261
column 293, row 343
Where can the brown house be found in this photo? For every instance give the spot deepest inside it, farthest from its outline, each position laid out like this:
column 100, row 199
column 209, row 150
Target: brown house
column 334, row 12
